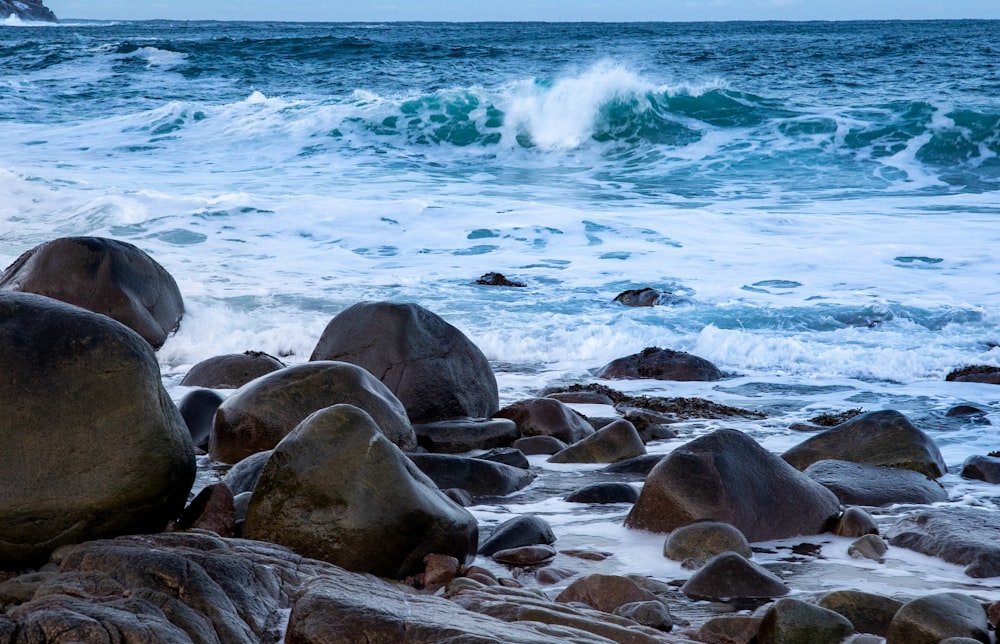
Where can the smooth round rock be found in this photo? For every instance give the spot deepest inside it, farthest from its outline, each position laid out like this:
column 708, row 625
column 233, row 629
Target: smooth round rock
column 930, row 619
column 704, row 540
column 660, row 364
column 729, row 575
column 231, row 371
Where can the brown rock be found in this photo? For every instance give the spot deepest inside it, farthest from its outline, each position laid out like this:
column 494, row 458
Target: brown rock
column 547, row 417
column 660, row 364
column 868, row 612
column 605, row 592
column 231, row 371
column 616, row 442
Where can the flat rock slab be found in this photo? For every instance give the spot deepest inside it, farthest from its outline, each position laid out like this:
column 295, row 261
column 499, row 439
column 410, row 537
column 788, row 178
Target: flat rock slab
column 964, row 536
column 459, row 435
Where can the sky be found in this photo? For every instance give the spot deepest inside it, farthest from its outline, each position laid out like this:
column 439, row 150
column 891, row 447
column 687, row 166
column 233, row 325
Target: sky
column 518, row 10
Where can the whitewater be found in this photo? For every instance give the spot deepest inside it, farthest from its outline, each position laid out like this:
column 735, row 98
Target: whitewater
column 821, row 198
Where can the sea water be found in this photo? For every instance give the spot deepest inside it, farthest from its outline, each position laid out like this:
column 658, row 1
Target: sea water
column 823, row 199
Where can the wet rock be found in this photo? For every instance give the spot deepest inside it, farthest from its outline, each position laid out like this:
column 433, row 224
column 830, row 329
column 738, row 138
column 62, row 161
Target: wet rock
column 213, row 509
column 964, row 536
column 431, row 366
column 498, row 279
column 231, row 371
column 639, row 297
column 460, row 497
column 580, row 397
column 336, row 489
column 553, row 574
column 726, row 476
column 959, row 411
column 604, row 493
column 702, row 541
column 930, row 619
column 654, row 614
column 660, row 364
column 605, row 592
column 458, row 435
column 533, row 445
column 439, row 570
column 735, row 629
column 982, row 468
column 792, row 621
column 243, row 476
column 586, row 555
column 651, row 425
column 33, row 10
column 507, row 456
column 525, row 530
column 198, row 411
column 524, row 555
column 637, row 465
column 92, row 444
column 886, row 438
column 547, row 417
column 258, row 415
column 872, row 485
column 474, row 475
column 729, row 576
column 869, row 613
column 616, row 442
column 855, row 522
column 870, row 546
column 976, row 373
column 106, row 276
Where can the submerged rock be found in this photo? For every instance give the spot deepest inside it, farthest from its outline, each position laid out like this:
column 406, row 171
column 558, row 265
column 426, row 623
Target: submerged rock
column 660, row 364
column 976, row 373
column 498, row 279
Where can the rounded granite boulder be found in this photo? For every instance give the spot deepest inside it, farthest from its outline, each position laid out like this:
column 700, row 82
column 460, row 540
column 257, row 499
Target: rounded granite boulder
column 105, row 276
column 93, row 446
column 231, row 371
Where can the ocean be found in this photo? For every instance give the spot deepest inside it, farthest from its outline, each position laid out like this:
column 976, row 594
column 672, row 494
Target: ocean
column 822, row 198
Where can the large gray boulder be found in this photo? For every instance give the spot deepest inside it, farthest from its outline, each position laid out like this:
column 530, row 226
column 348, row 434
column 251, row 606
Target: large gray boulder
column 885, row 438
column 105, row 276
column 872, row 485
column 960, row 535
column 431, row 366
column 259, row 414
column 336, row 489
column 92, row 445
column 726, row 476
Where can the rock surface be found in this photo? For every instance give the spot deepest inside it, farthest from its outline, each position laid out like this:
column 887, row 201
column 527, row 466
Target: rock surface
column 32, row 10
column 231, row 371
column 258, row 415
column 93, row 446
column 105, row 276
column 702, row 541
column 726, row 476
column 861, row 484
column 432, row 367
column 728, row 576
column 964, row 536
column 928, row 620
column 793, row 621
column 465, row 434
column 476, row 476
column 885, row 438
column 525, row 530
column 336, row 489
column 615, row 442
column 547, row 417
column 660, row 364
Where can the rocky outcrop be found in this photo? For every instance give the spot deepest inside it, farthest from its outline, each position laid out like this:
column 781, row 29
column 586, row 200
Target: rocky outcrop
column 92, row 445
column 727, row 476
column 264, row 411
column 336, row 489
column 432, row 367
column 31, row 10
column 105, row 276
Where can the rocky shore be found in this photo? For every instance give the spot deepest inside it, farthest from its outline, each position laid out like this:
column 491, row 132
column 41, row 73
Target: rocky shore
column 333, row 500
column 31, row 10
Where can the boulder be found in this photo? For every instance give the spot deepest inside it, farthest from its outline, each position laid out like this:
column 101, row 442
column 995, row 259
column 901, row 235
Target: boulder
column 615, row 442
column 547, row 417
column 524, row 556
column 640, row 465
column 960, row 535
column 93, row 446
column 259, row 414
column 930, row 619
column 525, row 530
column 336, row 489
column 652, row 613
column 702, row 541
column 105, row 276
column 213, row 509
column 432, row 367
column 198, row 411
column 982, row 468
column 639, row 297
column 728, row 576
column 854, row 522
column 498, row 279
column 604, row 493
column 869, row 546
column 660, row 364
column 726, row 476
column 243, row 476
column 873, row 485
column 885, row 438
column 869, row 613
column 459, row 435
column 231, row 371
column 730, row 629
column 793, row 621
column 605, row 592
column 987, row 374
column 476, row 476
column 533, row 445
column 507, row 456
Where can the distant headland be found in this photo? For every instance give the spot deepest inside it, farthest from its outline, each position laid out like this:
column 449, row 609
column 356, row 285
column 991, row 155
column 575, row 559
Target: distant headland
column 32, row 10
